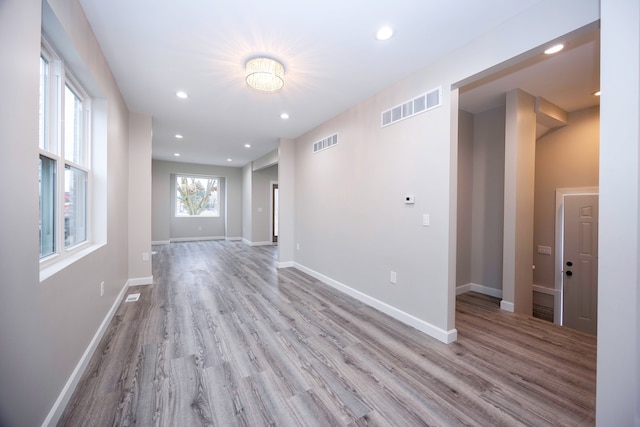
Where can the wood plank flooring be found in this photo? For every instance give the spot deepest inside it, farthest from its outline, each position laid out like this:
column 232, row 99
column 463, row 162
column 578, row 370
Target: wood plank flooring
column 223, row 338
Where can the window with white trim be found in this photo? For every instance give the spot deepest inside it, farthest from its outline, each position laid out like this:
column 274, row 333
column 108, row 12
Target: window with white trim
column 64, row 159
column 196, row 196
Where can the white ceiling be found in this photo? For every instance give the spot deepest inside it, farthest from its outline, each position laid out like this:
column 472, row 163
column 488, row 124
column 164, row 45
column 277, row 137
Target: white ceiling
column 331, row 57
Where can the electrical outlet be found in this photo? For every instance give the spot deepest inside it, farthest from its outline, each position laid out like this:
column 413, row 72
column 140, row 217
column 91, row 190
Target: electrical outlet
column 102, row 288
column 145, row 256
column 297, row 246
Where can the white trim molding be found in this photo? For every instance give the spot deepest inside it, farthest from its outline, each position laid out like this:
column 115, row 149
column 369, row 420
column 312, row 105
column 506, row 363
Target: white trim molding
column 233, row 239
column 442, row 335
column 139, row 281
column 65, row 395
column 507, row 306
column 196, row 239
column 285, row 264
column 481, row 289
column 160, row 242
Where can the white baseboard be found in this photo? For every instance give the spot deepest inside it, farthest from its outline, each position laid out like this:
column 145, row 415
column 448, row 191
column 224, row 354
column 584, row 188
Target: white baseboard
column 138, row 281
column 481, row 289
column 446, row 337
column 196, row 239
column 286, row 264
column 250, row 243
column 233, row 239
column 65, row 395
column 160, row 242
column 262, row 243
column 507, row 306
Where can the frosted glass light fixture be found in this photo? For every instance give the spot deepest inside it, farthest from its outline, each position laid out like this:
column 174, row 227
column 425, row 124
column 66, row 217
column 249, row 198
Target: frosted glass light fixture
column 264, row 74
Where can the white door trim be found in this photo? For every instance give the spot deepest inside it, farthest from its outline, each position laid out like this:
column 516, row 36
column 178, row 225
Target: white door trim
column 559, row 262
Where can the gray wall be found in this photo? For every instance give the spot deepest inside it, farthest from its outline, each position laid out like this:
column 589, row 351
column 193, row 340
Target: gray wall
column 565, row 158
column 350, row 197
column 261, row 204
column 487, row 221
column 140, row 136
column 465, row 183
column 247, row 210
column 165, row 226
column 45, row 326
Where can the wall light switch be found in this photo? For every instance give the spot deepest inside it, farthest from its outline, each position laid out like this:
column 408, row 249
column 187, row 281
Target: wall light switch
column 426, row 220
column 393, row 278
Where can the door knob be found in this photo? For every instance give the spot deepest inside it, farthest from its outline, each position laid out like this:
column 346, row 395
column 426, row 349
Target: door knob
column 569, row 273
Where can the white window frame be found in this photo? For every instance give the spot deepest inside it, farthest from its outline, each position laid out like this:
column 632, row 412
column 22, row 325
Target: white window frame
column 59, row 76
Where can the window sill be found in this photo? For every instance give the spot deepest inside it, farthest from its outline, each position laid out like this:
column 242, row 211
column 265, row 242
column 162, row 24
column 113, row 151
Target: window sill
column 65, row 261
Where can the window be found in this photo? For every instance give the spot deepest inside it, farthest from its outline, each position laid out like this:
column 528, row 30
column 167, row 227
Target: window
column 64, row 168
column 196, row 196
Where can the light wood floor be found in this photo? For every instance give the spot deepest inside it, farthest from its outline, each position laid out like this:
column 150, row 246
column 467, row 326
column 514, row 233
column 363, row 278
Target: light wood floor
column 224, row 338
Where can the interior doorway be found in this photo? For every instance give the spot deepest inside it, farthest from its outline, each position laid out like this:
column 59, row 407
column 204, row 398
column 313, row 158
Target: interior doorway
column 567, row 81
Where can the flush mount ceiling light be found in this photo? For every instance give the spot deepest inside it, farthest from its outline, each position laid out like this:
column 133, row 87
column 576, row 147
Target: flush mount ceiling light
column 264, row 74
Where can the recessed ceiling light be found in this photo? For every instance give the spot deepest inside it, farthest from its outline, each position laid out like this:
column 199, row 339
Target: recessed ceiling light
column 181, row 94
column 247, row 145
column 176, row 154
column 178, row 136
column 554, row 49
column 228, row 160
column 596, row 93
column 284, row 116
column 384, row 33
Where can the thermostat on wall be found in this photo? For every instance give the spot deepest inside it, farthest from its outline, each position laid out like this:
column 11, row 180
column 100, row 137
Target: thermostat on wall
column 409, row 199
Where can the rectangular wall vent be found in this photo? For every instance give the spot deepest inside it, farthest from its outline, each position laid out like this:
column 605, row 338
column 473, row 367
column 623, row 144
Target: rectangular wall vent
column 325, row 143
column 425, row 102
column 132, row 298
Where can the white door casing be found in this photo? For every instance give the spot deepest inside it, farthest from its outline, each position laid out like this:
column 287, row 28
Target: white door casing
column 579, row 268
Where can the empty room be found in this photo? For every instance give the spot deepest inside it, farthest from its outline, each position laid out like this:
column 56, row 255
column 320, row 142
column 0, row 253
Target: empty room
column 342, row 213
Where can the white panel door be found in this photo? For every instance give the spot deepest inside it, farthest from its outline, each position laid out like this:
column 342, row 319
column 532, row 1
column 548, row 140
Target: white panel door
column 580, row 278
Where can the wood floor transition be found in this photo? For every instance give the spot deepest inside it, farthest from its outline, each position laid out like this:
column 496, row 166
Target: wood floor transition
column 223, row 338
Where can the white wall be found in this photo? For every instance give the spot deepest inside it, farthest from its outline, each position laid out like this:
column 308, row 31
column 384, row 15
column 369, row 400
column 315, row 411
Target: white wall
column 46, row 326
column 618, row 381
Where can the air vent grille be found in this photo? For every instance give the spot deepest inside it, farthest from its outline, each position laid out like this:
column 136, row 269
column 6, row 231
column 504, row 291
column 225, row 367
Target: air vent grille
column 417, row 105
column 325, row 143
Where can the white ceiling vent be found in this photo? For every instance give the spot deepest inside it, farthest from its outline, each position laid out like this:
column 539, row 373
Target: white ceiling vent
column 420, row 104
column 325, row 143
